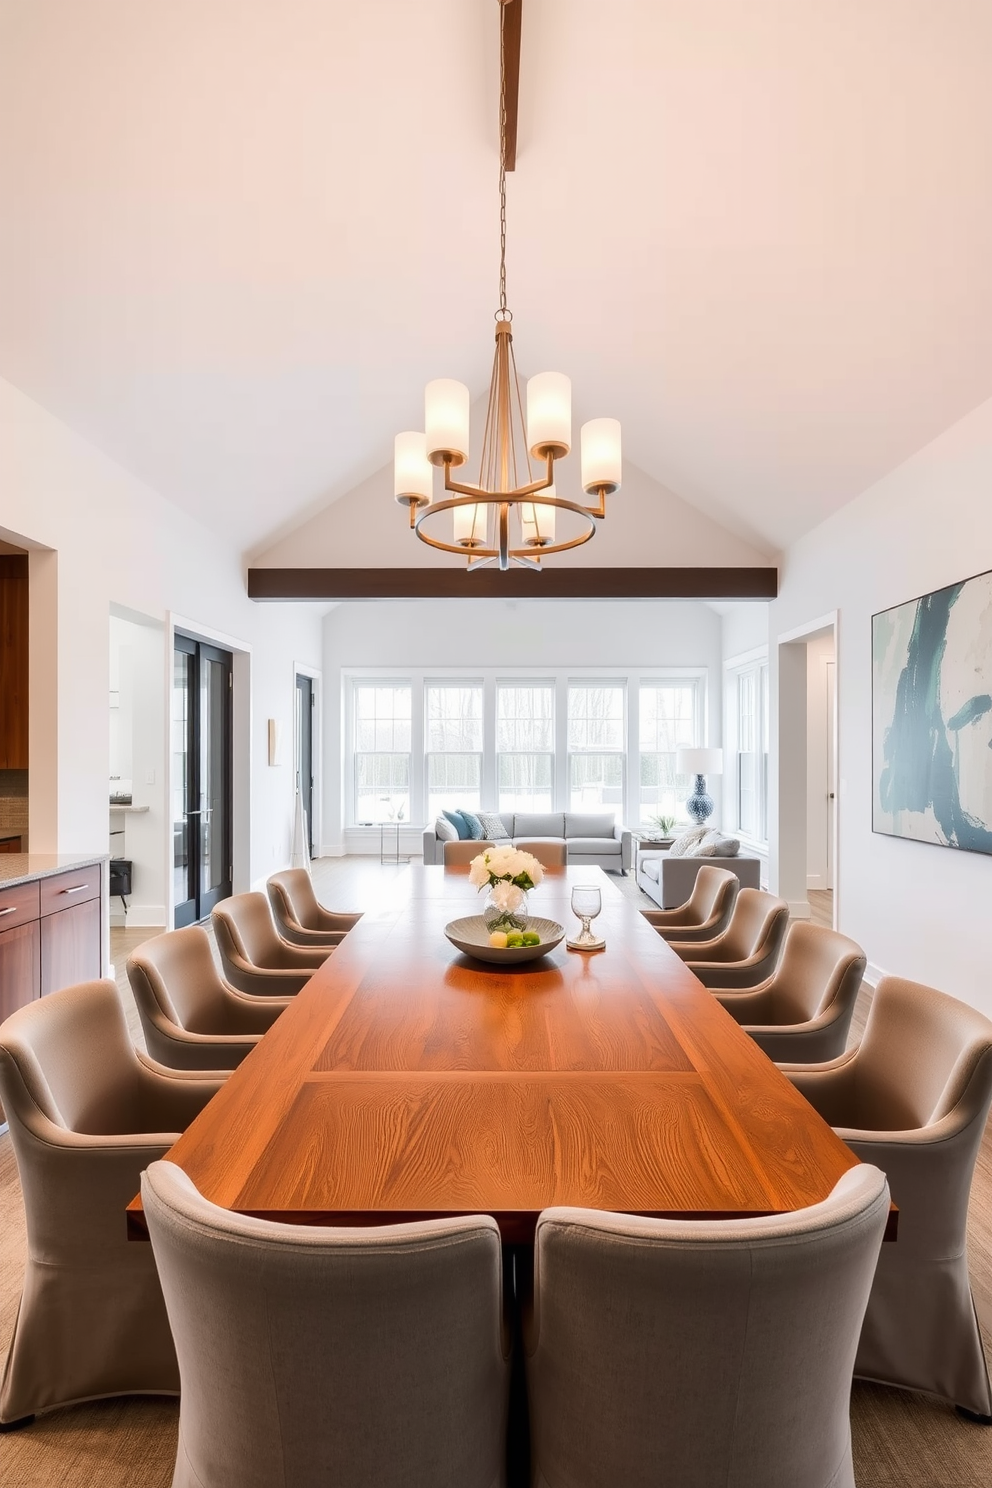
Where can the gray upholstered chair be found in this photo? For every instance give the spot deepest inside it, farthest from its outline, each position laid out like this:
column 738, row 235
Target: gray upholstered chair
column 803, row 1012
column 748, row 950
column 312, row 1356
column 190, row 1017
column 459, row 854
column 548, row 853
column 254, row 956
column 691, row 1354
column 87, row 1112
column 913, row 1098
column 300, row 917
column 705, row 914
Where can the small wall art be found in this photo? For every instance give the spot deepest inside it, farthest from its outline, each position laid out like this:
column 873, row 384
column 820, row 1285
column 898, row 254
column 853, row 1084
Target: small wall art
column 932, row 717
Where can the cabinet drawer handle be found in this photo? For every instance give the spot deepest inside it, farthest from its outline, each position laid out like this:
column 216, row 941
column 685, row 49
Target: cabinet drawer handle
column 77, row 890
column 12, row 909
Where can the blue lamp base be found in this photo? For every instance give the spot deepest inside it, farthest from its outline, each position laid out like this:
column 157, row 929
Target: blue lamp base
column 699, row 805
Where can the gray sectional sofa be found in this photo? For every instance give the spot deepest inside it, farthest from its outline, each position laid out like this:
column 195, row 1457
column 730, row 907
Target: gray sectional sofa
column 591, row 839
column 669, row 881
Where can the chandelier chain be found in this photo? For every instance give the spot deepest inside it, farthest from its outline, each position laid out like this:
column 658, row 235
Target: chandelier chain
column 502, row 313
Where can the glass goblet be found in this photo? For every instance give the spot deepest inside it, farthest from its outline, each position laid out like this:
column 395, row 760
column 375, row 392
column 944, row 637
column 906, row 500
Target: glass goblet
column 586, row 905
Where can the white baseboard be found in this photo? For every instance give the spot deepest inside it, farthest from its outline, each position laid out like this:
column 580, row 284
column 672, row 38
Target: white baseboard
column 816, row 881
column 139, row 916
column 874, row 974
column 332, row 850
column 799, row 909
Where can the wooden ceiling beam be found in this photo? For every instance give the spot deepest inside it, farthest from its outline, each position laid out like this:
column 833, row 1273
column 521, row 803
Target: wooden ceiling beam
column 510, row 19
column 343, row 584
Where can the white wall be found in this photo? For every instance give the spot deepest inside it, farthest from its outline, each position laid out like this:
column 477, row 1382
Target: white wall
column 511, row 634
column 115, row 541
column 138, row 738
column 919, row 910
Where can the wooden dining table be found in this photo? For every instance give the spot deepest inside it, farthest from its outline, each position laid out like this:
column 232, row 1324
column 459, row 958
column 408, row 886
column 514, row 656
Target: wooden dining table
column 407, row 1081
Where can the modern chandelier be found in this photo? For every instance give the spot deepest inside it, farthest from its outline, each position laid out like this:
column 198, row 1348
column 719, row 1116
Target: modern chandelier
column 498, row 520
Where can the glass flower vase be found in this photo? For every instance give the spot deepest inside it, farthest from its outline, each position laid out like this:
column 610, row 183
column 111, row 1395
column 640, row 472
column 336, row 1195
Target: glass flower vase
column 505, row 908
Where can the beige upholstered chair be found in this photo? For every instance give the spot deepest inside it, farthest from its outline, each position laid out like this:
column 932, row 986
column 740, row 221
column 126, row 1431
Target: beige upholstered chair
column 548, row 853
column 803, row 1011
column 299, row 917
column 190, row 1017
column 87, row 1113
column 314, row 1356
column 690, row 1354
column 913, row 1098
column 460, row 854
column 255, row 958
column 705, row 914
column 748, row 950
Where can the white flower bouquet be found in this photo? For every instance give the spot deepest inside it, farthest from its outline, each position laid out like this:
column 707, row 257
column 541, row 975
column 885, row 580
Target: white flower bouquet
column 507, row 873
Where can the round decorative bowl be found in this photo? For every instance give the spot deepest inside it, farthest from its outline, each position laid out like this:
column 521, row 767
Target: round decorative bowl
column 471, row 935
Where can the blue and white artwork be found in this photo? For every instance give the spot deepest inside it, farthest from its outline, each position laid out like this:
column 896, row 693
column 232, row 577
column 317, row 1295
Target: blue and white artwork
column 932, row 717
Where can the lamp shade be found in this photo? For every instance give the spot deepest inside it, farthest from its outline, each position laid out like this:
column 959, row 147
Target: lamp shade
column 470, row 524
column 537, row 522
column 549, row 415
column 413, row 474
column 699, row 761
column 600, row 440
column 446, row 414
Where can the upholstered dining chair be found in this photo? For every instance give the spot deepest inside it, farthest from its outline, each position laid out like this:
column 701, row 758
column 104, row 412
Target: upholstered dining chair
column 748, row 950
column 913, row 1098
column 460, row 853
column 254, row 956
column 705, row 914
column 548, row 854
column 87, row 1112
column 190, row 1017
column 311, row 1356
column 300, row 917
column 701, row 1353
column 803, row 1012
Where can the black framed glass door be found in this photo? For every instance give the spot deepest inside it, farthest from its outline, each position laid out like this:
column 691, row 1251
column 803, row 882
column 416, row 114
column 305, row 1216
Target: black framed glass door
column 305, row 698
column 202, row 803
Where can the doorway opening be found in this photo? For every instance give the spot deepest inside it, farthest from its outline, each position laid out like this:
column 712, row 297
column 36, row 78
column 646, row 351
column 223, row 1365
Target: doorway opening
column 306, row 701
column 202, row 775
column 807, row 775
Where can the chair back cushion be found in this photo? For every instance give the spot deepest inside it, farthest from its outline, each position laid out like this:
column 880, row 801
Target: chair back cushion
column 176, row 973
column 710, row 893
column 295, row 897
column 70, row 1056
column 819, row 968
column 249, row 922
column 758, row 917
column 719, row 1352
column 313, row 1356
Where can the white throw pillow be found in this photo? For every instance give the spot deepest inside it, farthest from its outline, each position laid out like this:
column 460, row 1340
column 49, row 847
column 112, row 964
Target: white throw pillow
column 685, row 845
column 444, row 830
column 720, row 846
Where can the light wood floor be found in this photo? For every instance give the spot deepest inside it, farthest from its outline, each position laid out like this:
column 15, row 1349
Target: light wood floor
column 901, row 1440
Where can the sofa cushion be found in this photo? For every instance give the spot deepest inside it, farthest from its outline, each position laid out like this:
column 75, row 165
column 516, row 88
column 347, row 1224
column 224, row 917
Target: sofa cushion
column 650, row 867
column 683, row 844
column 445, row 831
column 474, row 825
column 495, row 827
column 715, row 845
column 600, row 847
column 538, row 824
column 459, row 823
column 585, row 824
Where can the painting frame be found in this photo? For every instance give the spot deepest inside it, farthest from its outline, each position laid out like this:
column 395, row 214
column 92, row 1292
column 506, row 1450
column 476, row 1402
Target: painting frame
column 931, row 717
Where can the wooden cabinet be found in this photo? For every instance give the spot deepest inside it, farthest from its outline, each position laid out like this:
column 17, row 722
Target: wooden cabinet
column 14, row 661
column 51, row 933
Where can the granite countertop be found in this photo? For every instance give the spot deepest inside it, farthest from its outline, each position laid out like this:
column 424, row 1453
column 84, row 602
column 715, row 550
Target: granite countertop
column 18, row 868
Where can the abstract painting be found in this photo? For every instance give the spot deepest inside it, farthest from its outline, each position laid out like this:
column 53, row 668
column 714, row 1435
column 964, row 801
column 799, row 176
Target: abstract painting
column 932, row 717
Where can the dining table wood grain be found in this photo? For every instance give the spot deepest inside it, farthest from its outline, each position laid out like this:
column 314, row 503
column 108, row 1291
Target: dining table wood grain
column 407, row 1081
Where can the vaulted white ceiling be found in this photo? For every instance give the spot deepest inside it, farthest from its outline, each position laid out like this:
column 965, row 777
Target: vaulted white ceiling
column 238, row 236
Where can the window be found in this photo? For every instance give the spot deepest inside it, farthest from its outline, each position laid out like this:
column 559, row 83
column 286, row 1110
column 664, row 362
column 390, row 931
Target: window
column 668, row 714
column 454, row 746
column 596, row 745
column 525, row 745
column 752, row 752
column 382, row 745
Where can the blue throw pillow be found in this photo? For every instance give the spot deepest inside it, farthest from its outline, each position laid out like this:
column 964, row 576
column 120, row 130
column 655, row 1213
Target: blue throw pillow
column 459, row 823
column 474, row 825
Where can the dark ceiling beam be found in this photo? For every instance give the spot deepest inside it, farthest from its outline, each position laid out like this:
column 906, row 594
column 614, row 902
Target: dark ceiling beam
column 342, row 584
column 510, row 18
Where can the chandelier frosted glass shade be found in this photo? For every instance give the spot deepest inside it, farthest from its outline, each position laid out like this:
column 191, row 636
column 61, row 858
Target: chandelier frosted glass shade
column 601, row 464
column 549, row 415
column 413, row 473
column 446, row 415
